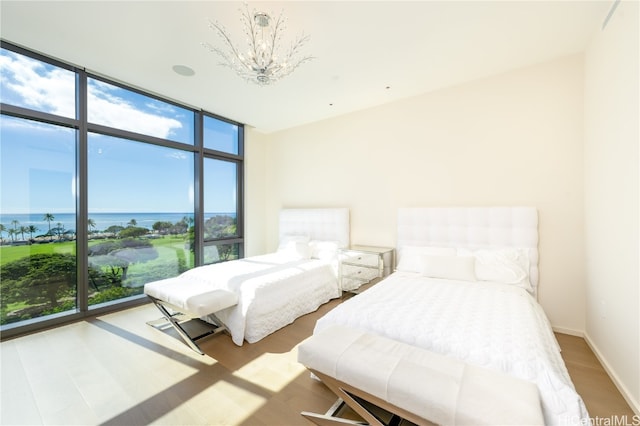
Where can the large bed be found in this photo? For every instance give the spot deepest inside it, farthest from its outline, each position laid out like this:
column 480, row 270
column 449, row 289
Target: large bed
column 255, row 296
column 465, row 286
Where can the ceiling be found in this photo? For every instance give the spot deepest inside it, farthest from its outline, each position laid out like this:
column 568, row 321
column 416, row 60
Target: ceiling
column 366, row 53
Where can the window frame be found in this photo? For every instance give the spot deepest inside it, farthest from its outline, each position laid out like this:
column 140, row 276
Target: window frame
column 82, row 128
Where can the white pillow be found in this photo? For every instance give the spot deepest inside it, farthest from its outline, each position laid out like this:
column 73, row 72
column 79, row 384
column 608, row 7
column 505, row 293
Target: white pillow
column 410, row 259
column 286, row 239
column 295, row 246
column 295, row 250
column 449, row 267
column 324, row 250
column 507, row 266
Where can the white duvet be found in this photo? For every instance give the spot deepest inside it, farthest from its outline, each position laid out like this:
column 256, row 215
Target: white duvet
column 273, row 291
column 487, row 324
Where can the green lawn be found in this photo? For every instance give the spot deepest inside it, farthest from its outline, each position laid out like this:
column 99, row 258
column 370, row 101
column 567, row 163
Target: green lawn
column 10, row 253
column 170, row 248
column 173, row 257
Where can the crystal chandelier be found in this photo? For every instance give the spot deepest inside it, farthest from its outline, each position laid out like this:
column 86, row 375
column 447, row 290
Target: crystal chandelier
column 263, row 62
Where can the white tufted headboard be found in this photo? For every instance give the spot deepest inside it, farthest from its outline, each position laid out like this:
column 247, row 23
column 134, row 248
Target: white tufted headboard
column 318, row 224
column 473, row 228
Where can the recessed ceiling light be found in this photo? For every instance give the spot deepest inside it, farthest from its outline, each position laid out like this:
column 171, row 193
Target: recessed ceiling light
column 183, row 70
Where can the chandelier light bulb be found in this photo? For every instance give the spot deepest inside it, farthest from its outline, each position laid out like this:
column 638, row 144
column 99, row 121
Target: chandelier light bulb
column 261, row 19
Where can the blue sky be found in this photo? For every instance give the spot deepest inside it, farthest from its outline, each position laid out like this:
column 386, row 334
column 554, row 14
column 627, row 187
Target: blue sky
column 38, row 160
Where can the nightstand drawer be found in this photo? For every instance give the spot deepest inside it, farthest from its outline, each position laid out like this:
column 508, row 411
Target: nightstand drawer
column 358, row 258
column 362, row 266
column 362, row 273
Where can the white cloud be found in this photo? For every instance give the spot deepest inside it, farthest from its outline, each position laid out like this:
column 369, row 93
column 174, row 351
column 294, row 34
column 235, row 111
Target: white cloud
column 113, row 111
column 39, row 87
column 51, row 89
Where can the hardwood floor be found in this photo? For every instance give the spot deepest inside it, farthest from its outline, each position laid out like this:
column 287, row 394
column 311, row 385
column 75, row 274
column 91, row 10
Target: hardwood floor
column 117, row 370
column 600, row 395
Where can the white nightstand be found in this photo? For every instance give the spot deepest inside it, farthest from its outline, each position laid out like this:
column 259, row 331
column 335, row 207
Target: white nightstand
column 360, row 265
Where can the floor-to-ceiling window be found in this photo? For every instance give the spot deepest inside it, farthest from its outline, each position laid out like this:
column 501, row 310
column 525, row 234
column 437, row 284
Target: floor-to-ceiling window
column 222, row 168
column 103, row 189
column 38, row 270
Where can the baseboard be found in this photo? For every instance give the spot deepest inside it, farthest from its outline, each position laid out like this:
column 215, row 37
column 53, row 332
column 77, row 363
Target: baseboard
column 568, row 331
column 635, row 405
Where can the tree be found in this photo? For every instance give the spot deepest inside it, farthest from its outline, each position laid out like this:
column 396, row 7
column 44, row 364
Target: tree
column 162, row 227
column 179, row 228
column 220, row 226
column 91, row 224
column 225, row 251
column 116, row 256
column 133, row 231
column 49, row 218
column 15, row 224
column 22, row 230
column 31, row 229
column 59, row 229
column 39, row 278
column 2, row 229
column 132, row 222
column 115, row 229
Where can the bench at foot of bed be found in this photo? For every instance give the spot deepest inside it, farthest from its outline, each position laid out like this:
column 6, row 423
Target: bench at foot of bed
column 182, row 308
column 370, row 372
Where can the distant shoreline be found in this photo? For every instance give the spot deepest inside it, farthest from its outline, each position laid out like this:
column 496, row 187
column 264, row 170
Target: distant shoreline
column 102, row 220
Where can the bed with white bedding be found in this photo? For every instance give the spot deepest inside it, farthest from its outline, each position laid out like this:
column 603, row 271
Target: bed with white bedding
column 269, row 291
column 465, row 287
column 273, row 290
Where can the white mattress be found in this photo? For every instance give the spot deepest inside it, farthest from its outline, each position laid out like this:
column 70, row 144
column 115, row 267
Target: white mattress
column 490, row 325
column 273, row 290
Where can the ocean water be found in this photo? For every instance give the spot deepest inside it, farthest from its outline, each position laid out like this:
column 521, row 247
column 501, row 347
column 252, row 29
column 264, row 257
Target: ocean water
column 102, row 220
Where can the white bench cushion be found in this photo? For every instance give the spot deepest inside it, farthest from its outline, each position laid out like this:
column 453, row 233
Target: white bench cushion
column 434, row 387
column 192, row 297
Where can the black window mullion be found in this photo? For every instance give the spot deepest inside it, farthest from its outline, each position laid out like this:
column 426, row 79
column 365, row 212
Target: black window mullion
column 82, row 209
column 198, row 244
column 240, row 189
column 138, row 137
column 44, row 117
column 240, row 141
column 212, row 153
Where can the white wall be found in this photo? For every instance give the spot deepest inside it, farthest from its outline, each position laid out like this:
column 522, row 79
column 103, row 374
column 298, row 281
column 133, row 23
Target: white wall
column 611, row 199
column 513, row 139
column 255, row 145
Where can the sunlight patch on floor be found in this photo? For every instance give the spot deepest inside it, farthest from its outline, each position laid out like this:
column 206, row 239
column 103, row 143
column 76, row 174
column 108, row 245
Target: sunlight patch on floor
column 227, row 403
column 272, row 371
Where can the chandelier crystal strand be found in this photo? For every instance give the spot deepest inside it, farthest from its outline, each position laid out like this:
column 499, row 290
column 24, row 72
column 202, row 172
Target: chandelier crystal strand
column 262, row 63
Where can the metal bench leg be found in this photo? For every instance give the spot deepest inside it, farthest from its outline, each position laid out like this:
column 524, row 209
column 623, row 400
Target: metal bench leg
column 172, row 320
column 330, row 418
column 374, row 411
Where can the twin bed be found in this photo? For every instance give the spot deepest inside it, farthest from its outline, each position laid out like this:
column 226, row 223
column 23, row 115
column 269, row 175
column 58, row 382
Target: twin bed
column 460, row 310
column 255, row 296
